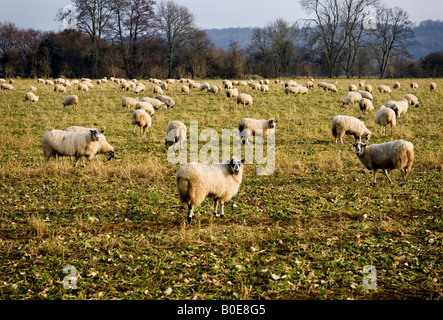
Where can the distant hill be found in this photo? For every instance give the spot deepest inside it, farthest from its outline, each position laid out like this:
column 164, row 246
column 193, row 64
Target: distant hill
column 428, row 37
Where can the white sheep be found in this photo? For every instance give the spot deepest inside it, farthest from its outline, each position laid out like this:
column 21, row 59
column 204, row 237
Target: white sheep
column 330, row 87
column 227, row 84
column 80, row 145
column 244, row 99
column 385, row 116
column 353, row 87
column 365, row 105
column 396, row 85
column 32, row 88
column 71, row 100
column 105, row 147
column 6, row 86
column 368, row 88
column 384, row 89
column 399, row 107
column 365, row 94
column 142, row 119
column 140, row 87
column 166, row 100
column 204, row 86
column 59, row 88
column 157, row 104
column 391, row 155
column 412, row 100
column 185, row 89
column 361, row 84
column 414, row 85
column 309, row 84
column 342, row 125
column 232, row 93
column 30, row 96
column 215, row 89
column 82, row 87
column 129, row 102
column 220, row 181
column 248, row 127
column 351, row 98
column 175, row 134
column 264, row 88
column 157, row 90
column 145, row 106
column 291, row 90
column 432, row 86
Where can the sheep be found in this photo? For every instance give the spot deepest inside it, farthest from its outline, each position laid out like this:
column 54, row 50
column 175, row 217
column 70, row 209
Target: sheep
column 129, row 102
column 244, row 99
column 82, row 87
column 351, row 98
column 30, row 96
column 6, row 86
column 291, row 90
column 365, row 105
column 145, row 106
column 368, row 88
column 204, row 86
column 157, row 104
column 175, row 133
column 342, row 125
column 185, row 89
column 220, row 181
column 59, row 88
column 365, row 94
column 391, row 155
column 232, row 93
column 214, row 89
column 32, row 88
column 105, row 147
column 414, row 85
column 166, row 100
column 80, row 145
column 361, row 84
column 384, row 89
column 303, row 90
column 330, row 87
column 142, row 119
column 227, row 84
column 248, row 127
column 194, row 85
column 352, row 87
column 49, row 82
column 385, row 116
column 39, row 80
column 164, row 86
column 255, row 86
column 309, row 84
column 412, row 100
column 264, row 88
column 157, row 90
column 396, row 85
column 432, row 86
column 399, row 107
column 71, row 100
column 140, row 87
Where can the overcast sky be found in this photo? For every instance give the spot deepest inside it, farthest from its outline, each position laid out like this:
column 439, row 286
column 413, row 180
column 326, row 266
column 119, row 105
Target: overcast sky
column 40, row 14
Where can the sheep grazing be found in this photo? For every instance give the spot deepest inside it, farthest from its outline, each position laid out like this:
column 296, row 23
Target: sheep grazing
column 105, row 147
column 365, row 94
column 71, row 100
column 140, row 87
column 329, row 87
column 175, row 134
column 244, row 99
column 342, row 125
column 365, row 105
column 185, row 89
column 227, row 84
column 215, row 89
column 142, row 119
column 397, row 154
column 414, row 85
column 204, row 86
column 399, row 107
column 59, row 88
column 412, row 100
column 396, row 85
column 129, row 102
column 220, row 181
column 361, row 84
column 145, row 106
column 385, row 116
column 432, row 86
column 6, row 86
column 30, row 96
column 166, row 100
column 264, row 88
column 309, row 84
column 157, row 104
column 157, row 90
column 352, row 87
column 368, row 88
column 291, row 90
column 80, row 145
column 351, row 98
column 248, row 127
column 384, row 89
column 82, row 87
column 232, row 93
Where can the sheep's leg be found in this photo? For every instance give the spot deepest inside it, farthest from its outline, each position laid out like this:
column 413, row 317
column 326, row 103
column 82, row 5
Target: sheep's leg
column 403, row 176
column 190, row 212
column 222, row 209
column 386, row 174
column 215, row 207
column 374, row 179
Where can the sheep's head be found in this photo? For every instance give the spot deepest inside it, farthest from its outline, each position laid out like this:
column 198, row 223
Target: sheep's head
column 235, row 165
column 359, row 148
column 272, row 123
column 111, row 155
column 95, row 135
column 366, row 137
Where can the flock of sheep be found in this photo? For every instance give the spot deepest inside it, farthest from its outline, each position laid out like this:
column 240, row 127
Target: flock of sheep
column 196, row 182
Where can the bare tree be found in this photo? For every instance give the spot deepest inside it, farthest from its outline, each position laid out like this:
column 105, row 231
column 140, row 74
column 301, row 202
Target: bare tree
column 177, row 23
column 392, row 37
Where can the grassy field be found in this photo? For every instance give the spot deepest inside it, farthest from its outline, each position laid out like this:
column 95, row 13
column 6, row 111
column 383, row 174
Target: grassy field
column 304, row 232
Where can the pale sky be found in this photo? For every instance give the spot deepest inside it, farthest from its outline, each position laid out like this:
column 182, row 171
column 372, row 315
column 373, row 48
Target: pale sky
column 40, row 14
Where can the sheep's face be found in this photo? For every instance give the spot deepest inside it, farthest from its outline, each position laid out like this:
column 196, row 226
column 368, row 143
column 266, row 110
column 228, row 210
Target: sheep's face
column 272, row 123
column 94, row 135
column 359, row 148
column 235, row 165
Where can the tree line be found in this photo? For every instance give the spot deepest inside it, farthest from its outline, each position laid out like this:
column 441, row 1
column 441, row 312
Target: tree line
column 143, row 38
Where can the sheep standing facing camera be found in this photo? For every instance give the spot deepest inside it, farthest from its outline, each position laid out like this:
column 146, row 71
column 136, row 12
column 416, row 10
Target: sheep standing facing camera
column 220, row 181
column 397, row 154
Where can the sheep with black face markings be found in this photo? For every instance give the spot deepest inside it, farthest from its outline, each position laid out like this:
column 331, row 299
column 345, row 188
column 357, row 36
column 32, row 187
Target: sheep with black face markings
column 80, row 145
column 365, row 105
column 391, row 155
column 105, row 147
column 220, row 181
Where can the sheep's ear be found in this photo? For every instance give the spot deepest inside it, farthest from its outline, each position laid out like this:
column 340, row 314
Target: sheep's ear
column 353, row 144
column 242, row 160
